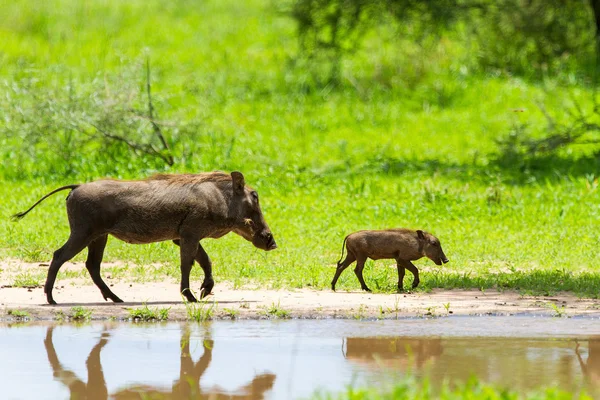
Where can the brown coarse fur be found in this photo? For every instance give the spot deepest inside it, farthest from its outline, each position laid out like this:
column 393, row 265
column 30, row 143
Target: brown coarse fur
column 185, row 179
column 402, row 245
column 183, row 208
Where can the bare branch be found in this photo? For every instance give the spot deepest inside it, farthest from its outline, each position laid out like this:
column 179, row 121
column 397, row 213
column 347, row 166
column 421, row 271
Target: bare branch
column 168, row 158
column 549, row 119
column 144, row 148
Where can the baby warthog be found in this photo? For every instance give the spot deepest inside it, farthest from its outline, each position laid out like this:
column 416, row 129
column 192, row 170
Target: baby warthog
column 403, row 245
column 183, row 208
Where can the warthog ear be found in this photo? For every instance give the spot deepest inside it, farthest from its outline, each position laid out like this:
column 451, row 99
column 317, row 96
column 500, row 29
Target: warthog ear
column 238, row 182
column 420, row 234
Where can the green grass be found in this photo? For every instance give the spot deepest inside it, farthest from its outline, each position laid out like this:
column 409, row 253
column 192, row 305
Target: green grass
column 231, row 312
column 18, row 314
column 200, row 311
column 79, row 313
column 276, row 311
column 418, row 153
column 409, row 387
column 147, row 314
column 28, row 280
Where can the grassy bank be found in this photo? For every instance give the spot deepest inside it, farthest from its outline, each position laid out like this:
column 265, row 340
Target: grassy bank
column 326, row 161
column 410, row 388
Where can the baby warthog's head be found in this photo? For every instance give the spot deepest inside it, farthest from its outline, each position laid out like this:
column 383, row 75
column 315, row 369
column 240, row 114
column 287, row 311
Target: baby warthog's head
column 252, row 226
column 432, row 248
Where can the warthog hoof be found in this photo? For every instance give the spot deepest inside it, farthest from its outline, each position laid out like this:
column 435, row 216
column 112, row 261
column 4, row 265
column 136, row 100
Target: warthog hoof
column 113, row 297
column 189, row 296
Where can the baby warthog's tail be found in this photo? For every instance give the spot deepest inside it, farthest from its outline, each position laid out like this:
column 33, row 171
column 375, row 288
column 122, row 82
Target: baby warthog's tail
column 343, row 247
column 20, row 215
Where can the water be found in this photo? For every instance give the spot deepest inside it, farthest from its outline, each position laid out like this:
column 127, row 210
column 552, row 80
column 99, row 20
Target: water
column 291, row 359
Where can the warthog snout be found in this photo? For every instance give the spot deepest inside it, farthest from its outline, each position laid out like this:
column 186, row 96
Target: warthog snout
column 264, row 241
column 442, row 260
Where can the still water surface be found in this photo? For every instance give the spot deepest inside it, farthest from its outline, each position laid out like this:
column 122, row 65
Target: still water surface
column 291, row 359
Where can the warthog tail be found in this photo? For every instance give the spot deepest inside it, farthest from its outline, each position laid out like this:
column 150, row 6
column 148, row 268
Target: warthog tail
column 343, row 246
column 20, row 215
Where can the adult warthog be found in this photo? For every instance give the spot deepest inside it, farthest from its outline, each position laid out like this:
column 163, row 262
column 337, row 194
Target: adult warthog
column 183, row 208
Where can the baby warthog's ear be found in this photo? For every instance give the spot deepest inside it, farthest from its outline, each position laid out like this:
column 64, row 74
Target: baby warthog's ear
column 238, row 182
column 420, row 234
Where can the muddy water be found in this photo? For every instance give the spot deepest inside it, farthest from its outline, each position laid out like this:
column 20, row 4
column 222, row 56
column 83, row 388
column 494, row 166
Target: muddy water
column 291, row 359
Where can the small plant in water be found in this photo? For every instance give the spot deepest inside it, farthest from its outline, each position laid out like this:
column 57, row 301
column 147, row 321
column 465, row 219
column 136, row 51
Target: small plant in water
column 60, row 316
column 447, row 308
column 558, row 311
column 245, row 304
column 231, row 313
column 431, row 311
column 81, row 314
column 200, row 311
column 146, row 314
column 361, row 312
column 396, row 308
column 275, row 310
column 18, row 314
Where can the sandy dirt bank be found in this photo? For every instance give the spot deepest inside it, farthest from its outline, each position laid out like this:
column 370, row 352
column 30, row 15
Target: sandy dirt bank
column 260, row 303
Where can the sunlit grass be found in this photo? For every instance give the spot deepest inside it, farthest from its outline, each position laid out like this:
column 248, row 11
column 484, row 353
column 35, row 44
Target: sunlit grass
column 326, row 161
column 410, row 387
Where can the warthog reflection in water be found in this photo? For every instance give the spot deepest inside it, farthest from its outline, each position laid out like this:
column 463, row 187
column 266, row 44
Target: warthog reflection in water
column 186, row 387
column 591, row 367
column 392, row 351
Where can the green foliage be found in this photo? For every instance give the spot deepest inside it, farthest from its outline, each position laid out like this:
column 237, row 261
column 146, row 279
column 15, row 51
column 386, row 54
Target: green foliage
column 275, row 311
column 200, row 311
column 18, row 314
column 79, row 313
column 410, row 387
column 231, row 312
column 146, row 314
column 407, row 140
column 530, row 38
column 537, row 37
column 27, row 280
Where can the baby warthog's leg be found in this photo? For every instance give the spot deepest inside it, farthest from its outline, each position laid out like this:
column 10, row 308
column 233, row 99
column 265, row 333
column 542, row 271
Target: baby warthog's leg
column 94, row 259
column 401, row 272
column 410, row 266
column 341, row 267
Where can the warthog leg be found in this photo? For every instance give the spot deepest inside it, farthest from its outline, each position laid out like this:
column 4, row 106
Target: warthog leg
column 188, row 249
column 401, row 272
column 204, row 260
column 411, row 267
column 94, row 259
column 70, row 249
column 360, row 265
column 341, row 267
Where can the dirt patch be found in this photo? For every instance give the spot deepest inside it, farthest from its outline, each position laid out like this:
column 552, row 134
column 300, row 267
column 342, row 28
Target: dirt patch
column 227, row 302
